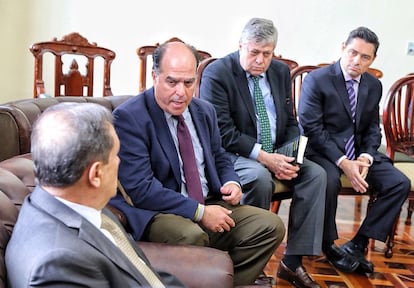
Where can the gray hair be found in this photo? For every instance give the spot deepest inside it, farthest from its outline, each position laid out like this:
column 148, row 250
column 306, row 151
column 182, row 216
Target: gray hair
column 67, row 138
column 259, row 30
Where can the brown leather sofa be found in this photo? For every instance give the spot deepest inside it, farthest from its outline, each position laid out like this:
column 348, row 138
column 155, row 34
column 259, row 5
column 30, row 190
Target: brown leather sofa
column 17, row 117
column 194, row 266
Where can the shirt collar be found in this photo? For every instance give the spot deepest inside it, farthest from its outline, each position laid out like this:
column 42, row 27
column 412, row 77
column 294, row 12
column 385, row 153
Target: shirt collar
column 89, row 213
column 348, row 77
column 168, row 116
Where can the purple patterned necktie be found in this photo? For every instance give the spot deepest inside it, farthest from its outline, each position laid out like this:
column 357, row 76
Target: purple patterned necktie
column 350, row 144
column 191, row 175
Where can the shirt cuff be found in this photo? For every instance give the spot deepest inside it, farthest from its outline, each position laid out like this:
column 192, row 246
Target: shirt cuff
column 255, row 151
column 232, row 182
column 339, row 161
column 369, row 157
column 199, row 213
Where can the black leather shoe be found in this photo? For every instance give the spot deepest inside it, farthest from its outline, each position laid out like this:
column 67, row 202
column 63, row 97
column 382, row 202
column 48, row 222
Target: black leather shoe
column 358, row 253
column 300, row 278
column 340, row 259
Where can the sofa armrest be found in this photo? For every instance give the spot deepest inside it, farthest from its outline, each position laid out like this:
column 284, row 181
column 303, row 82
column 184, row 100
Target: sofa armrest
column 195, row 266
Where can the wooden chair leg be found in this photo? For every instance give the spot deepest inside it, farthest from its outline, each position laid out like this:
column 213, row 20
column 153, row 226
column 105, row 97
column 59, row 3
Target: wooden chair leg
column 275, row 206
column 410, row 210
column 390, row 240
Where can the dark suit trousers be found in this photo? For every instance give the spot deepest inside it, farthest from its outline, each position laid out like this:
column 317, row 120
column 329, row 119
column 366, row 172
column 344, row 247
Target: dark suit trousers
column 392, row 188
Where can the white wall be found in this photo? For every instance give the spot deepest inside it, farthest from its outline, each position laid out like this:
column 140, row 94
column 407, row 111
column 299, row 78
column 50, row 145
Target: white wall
column 310, row 32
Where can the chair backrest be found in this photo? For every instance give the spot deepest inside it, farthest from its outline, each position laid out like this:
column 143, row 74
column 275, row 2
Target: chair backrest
column 398, row 117
column 291, row 63
column 203, row 64
column 373, row 71
column 73, row 82
column 297, row 75
column 144, row 52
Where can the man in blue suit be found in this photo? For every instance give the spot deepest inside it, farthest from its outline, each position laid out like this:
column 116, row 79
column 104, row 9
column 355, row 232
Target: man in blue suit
column 151, row 171
column 334, row 122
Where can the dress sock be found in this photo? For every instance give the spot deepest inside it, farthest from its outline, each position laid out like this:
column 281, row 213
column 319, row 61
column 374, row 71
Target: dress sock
column 292, row 261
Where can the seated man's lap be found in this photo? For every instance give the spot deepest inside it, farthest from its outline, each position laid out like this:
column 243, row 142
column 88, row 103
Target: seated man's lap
column 175, row 229
column 252, row 224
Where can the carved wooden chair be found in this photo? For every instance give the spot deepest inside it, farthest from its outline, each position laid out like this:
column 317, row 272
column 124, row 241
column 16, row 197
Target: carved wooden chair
column 73, row 82
column 398, row 120
column 144, row 52
column 203, row 64
column 297, row 75
column 291, row 63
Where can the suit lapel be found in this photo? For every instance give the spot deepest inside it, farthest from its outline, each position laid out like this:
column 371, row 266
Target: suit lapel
column 164, row 137
column 361, row 99
column 243, row 87
column 341, row 88
column 277, row 100
column 201, row 127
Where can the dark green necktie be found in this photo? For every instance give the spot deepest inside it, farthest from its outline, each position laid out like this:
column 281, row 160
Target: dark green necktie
column 266, row 135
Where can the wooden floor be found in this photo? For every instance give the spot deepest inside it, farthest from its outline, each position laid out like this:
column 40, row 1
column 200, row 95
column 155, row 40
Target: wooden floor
column 397, row 271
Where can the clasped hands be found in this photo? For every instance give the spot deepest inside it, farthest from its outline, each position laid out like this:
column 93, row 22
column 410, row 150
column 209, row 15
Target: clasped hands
column 356, row 171
column 279, row 164
column 217, row 218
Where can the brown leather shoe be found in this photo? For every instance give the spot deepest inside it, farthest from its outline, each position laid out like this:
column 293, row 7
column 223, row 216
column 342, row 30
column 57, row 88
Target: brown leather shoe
column 300, row 278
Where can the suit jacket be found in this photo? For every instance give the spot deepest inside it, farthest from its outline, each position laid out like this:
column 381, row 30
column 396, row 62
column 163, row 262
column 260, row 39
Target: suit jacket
column 325, row 113
column 224, row 83
column 54, row 246
column 150, row 168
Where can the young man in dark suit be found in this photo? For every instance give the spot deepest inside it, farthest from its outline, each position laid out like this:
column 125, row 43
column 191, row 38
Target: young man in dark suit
column 339, row 112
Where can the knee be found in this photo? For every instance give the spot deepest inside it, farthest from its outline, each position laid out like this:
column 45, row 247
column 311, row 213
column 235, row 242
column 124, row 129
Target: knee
column 192, row 235
column 319, row 175
column 261, row 177
column 274, row 224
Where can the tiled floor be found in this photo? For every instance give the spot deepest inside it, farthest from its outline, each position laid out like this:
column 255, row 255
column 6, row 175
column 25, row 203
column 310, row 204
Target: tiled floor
column 397, row 271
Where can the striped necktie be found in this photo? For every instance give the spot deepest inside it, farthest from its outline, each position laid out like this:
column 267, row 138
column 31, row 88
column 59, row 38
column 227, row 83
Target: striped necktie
column 265, row 133
column 125, row 246
column 350, row 144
